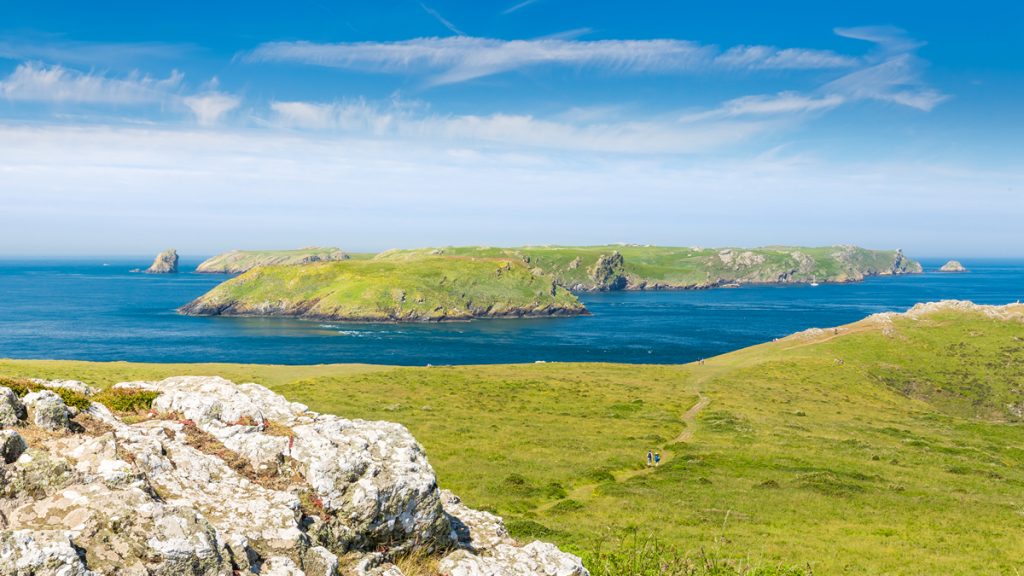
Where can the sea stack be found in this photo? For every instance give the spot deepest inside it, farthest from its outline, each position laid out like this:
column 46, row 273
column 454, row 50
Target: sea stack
column 952, row 266
column 165, row 262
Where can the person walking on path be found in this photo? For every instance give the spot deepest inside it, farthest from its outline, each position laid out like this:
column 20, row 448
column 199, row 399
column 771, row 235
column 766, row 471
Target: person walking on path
column 650, row 458
column 657, row 458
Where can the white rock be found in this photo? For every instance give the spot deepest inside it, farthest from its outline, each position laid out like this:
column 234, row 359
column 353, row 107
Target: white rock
column 48, row 410
column 12, row 409
column 40, row 553
column 534, row 559
column 73, row 385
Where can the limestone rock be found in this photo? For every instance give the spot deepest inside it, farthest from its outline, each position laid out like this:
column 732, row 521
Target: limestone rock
column 48, row 410
column 373, row 475
column 12, row 409
column 474, row 530
column 165, row 262
column 12, row 446
column 235, row 479
column 73, row 385
column 534, row 559
column 953, row 266
column 40, row 553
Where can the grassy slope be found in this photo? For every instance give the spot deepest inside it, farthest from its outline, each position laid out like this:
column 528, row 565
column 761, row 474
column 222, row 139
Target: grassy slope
column 370, row 290
column 659, row 266
column 239, row 261
column 796, row 460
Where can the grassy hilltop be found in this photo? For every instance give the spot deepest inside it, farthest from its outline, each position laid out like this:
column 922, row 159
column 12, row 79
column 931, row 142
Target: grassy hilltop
column 382, row 291
column 632, row 267
column 888, row 446
column 239, row 261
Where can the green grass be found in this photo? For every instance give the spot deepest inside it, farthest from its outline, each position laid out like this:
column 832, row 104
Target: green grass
column 902, row 459
column 425, row 289
column 649, row 267
column 239, row 261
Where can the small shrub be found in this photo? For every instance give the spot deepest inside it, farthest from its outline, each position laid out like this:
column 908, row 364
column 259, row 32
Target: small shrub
column 525, row 528
column 127, row 400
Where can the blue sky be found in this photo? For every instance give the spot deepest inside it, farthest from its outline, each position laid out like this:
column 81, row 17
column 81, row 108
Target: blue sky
column 126, row 127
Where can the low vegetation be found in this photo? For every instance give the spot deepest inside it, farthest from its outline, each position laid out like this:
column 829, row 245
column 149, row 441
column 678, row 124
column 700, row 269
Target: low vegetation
column 889, row 446
column 428, row 289
column 633, row 267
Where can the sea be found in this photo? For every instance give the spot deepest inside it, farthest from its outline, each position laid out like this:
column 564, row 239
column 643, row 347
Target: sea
column 96, row 309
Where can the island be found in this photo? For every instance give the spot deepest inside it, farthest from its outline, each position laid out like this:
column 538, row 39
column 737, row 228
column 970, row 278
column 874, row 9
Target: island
column 953, row 266
column 165, row 262
column 240, row 261
column 465, row 283
column 427, row 289
column 636, row 267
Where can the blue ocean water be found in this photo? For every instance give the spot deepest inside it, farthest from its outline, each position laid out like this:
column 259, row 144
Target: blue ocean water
column 97, row 310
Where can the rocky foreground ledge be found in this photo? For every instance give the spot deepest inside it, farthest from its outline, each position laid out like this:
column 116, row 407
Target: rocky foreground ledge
column 199, row 476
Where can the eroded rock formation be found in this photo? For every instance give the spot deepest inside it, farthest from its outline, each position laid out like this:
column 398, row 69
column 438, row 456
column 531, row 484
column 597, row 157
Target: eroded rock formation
column 222, row 479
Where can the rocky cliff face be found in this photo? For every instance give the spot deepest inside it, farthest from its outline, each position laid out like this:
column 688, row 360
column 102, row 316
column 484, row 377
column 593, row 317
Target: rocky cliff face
column 165, row 262
column 225, row 479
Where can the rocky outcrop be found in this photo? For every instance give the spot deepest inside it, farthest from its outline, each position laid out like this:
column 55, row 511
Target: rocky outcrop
column 953, row 266
column 165, row 262
column 609, row 272
column 232, row 479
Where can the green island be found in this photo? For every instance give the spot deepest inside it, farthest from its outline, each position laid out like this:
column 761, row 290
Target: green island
column 239, row 261
column 634, row 267
column 424, row 289
column 445, row 284
column 890, row 445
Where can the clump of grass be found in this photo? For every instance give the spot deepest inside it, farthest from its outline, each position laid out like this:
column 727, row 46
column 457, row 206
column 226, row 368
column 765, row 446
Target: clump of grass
column 127, row 400
column 23, row 386
column 418, row 563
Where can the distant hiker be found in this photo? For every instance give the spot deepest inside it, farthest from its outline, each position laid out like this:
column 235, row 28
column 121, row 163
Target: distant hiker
column 650, row 458
column 657, row 458
column 700, row 362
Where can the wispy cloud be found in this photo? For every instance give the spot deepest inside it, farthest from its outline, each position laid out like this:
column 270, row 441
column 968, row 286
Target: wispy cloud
column 444, row 21
column 209, row 108
column 519, row 6
column 59, row 50
column 37, row 82
column 570, row 133
column 452, row 60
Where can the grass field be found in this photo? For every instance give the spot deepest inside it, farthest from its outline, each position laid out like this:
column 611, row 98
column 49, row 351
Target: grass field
column 888, row 447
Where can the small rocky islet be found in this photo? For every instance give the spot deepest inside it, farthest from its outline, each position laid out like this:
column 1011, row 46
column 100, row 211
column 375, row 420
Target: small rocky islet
column 198, row 476
column 953, row 266
column 465, row 283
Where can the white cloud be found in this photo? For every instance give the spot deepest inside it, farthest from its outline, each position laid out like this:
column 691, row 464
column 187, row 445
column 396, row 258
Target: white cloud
column 762, row 105
column 896, row 79
column 441, row 19
column 36, row 82
column 129, row 190
column 457, row 59
column 571, row 132
column 208, row 108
